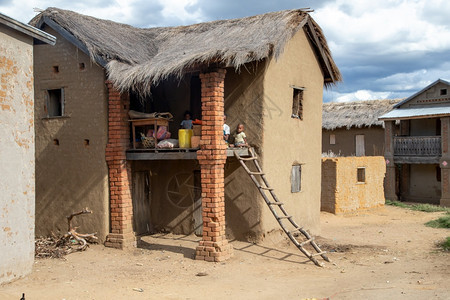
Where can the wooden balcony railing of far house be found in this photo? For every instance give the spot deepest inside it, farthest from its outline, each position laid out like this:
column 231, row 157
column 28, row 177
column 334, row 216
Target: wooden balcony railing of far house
column 417, row 146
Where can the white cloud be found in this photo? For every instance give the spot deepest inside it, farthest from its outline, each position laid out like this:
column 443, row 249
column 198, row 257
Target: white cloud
column 359, row 95
column 390, row 26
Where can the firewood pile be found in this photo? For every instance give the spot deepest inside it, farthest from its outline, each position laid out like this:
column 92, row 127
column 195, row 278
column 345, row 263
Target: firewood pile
column 55, row 246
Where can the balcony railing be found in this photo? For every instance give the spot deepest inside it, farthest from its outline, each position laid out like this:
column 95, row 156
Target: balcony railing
column 417, row 146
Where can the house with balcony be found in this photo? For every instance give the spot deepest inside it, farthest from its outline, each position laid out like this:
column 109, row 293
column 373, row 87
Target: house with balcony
column 266, row 72
column 418, row 157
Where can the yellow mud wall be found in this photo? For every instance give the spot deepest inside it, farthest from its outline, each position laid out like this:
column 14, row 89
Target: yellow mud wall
column 341, row 191
column 71, row 170
column 288, row 141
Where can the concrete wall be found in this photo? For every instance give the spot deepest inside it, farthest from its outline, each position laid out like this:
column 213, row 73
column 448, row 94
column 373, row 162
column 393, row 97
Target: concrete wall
column 346, row 141
column 341, row 191
column 423, row 184
column 288, row 141
column 17, row 188
column 71, row 175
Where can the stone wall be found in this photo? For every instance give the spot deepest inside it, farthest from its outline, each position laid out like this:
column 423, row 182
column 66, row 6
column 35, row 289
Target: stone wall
column 344, row 192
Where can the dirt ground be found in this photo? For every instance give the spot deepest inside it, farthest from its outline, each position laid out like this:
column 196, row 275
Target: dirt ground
column 382, row 254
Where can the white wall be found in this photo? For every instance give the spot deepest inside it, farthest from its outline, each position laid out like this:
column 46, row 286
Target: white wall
column 16, row 155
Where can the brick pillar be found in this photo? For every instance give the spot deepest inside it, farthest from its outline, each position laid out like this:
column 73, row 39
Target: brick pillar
column 445, row 162
column 212, row 156
column 121, row 210
column 389, row 180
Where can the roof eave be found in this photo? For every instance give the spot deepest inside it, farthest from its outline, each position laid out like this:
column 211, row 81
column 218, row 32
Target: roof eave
column 28, row 29
column 71, row 38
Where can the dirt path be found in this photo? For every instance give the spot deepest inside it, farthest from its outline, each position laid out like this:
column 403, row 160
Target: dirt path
column 383, row 254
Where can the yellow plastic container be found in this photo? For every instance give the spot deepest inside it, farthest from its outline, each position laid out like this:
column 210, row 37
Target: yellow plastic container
column 184, row 137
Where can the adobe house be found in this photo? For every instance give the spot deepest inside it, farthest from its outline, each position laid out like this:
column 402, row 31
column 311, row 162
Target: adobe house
column 17, row 194
column 266, row 71
column 353, row 128
column 417, row 158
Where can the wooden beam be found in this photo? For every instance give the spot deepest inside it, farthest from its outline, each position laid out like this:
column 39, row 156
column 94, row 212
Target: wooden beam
column 416, row 160
column 76, row 42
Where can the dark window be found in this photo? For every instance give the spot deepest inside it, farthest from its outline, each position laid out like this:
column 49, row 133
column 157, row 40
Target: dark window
column 55, row 69
column 297, row 104
column 361, row 175
column 438, row 173
column 81, row 66
column 296, row 179
column 55, row 103
column 443, row 92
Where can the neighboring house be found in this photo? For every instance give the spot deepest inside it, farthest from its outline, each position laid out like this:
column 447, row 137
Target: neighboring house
column 265, row 71
column 418, row 157
column 17, row 146
column 353, row 128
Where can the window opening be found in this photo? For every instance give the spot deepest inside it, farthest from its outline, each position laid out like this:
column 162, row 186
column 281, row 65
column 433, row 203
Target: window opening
column 297, row 103
column 55, row 103
column 56, row 142
column 361, row 175
column 332, row 139
column 81, row 66
column 55, row 69
column 296, row 178
column 443, row 92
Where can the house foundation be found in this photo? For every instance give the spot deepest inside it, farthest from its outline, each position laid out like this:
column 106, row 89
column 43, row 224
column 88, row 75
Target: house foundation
column 212, row 157
column 121, row 210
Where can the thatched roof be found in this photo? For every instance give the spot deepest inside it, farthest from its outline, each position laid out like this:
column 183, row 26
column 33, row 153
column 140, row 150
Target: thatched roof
column 137, row 58
column 355, row 114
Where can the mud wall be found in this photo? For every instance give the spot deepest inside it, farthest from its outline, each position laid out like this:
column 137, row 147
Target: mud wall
column 290, row 141
column 173, row 195
column 341, row 190
column 345, row 144
column 71, row 171
column 16, row 155
column 244, row 104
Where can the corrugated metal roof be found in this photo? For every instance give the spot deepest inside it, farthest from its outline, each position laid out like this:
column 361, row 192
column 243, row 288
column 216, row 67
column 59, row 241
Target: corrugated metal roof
column 415, row 113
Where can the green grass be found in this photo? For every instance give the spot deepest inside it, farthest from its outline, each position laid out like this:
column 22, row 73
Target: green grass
column 419, row 207
column 446, row 244
column 442, row 222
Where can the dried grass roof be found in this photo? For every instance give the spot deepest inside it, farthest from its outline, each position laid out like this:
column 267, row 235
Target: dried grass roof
column 137, row 58
column 355, row 114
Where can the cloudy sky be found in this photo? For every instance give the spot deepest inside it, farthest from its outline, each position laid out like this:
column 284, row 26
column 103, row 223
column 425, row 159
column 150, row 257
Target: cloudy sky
column 384, row 48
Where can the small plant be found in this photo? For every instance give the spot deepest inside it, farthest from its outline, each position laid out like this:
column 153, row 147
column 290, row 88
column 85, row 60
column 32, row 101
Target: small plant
column 425, row 207
column 442, row 222
column 446, row 244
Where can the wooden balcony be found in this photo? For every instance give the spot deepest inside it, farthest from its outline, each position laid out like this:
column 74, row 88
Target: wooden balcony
column 417, row 149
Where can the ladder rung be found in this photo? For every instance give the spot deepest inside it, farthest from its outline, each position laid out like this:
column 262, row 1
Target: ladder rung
column 306, row 242
column 248, row 158
column 275, row 203
column 266, row 188
column 256, row 173
column 284, row 217
column 320, row 253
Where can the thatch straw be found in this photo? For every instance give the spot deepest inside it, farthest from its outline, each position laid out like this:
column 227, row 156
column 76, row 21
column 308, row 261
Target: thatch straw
column 138, row 58
column 355, row 114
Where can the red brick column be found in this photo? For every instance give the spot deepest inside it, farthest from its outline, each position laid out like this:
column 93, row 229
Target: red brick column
column 389, row 180
column 445, row 162
column 121, row 210
column 212, row 156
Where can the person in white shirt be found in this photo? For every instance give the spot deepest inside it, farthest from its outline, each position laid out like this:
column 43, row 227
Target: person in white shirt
column 226, row 129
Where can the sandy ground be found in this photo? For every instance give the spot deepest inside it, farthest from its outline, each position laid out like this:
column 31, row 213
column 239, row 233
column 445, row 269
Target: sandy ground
column 382, row 254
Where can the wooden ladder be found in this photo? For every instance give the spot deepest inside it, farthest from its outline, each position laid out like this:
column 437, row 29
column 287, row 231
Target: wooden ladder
column 278, row 210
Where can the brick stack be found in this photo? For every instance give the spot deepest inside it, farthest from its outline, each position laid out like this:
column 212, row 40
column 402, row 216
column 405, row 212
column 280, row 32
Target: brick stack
column 212, row 157
column 122, row 234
